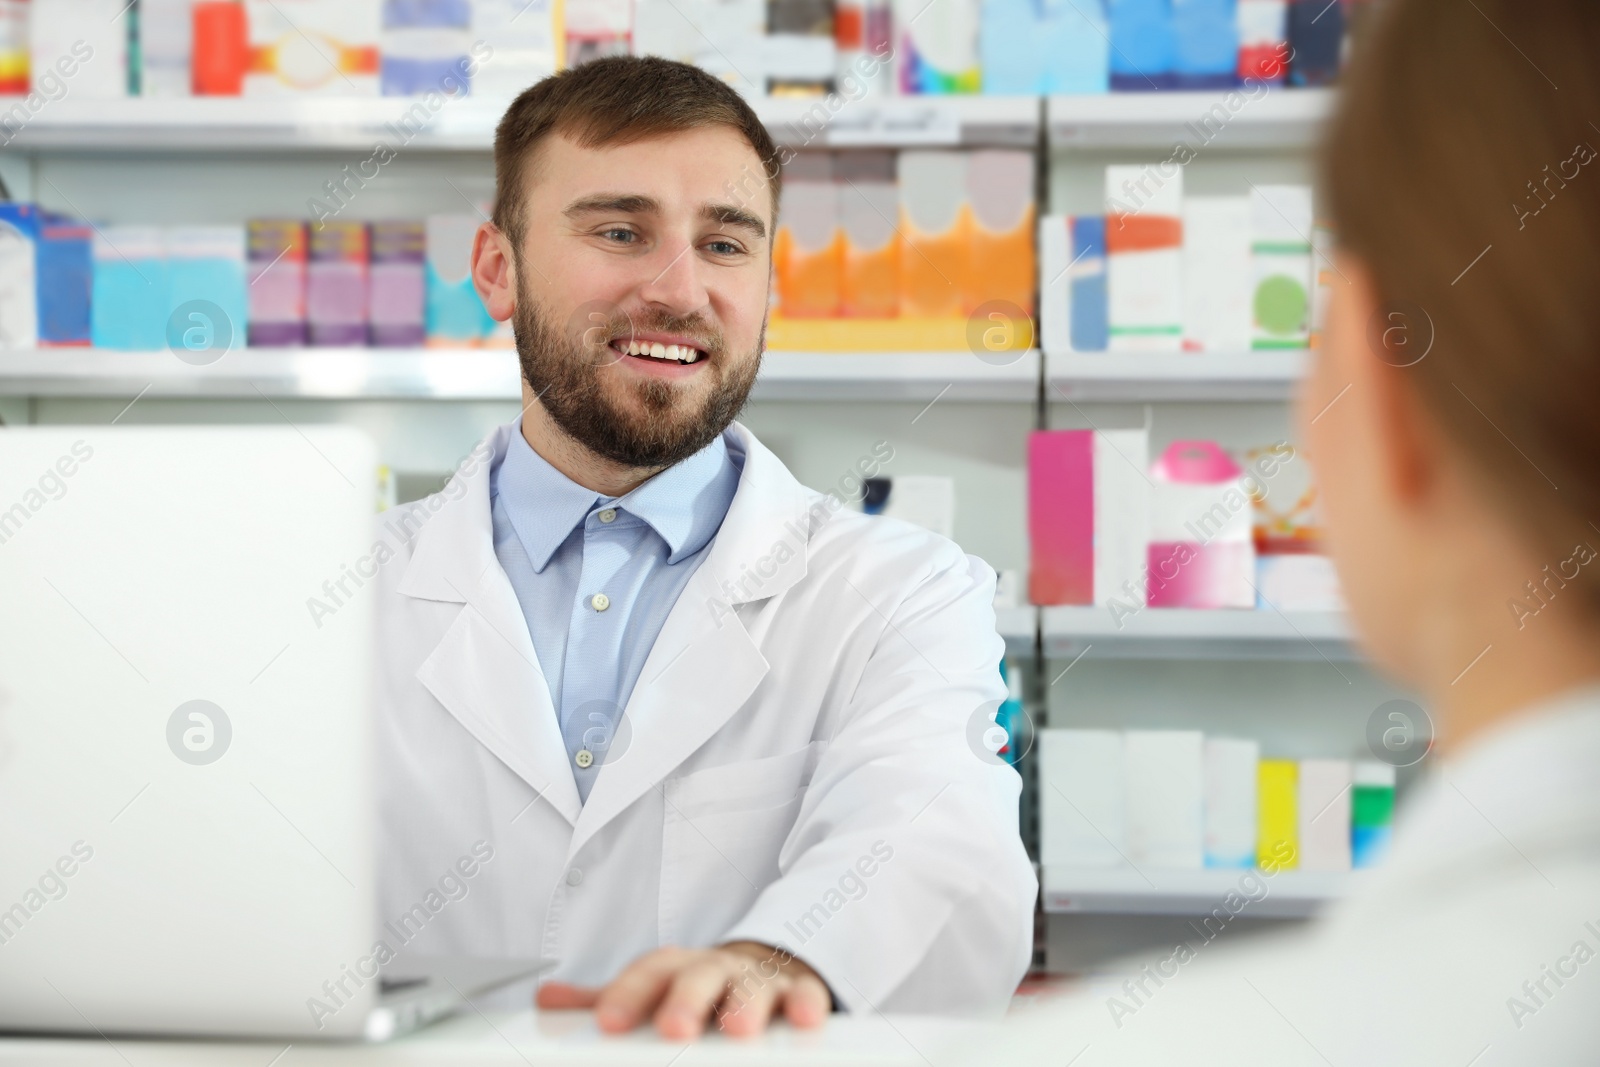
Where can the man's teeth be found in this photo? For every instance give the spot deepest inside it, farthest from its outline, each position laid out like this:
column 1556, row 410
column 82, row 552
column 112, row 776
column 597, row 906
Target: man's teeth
column 657, row 350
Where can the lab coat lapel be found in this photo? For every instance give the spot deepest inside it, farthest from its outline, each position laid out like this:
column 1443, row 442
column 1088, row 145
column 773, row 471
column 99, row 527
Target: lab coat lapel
column 704, row 664
column 484, row 670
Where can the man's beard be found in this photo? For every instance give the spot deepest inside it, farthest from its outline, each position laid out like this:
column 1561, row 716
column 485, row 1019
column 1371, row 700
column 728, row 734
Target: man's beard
column 564, row 369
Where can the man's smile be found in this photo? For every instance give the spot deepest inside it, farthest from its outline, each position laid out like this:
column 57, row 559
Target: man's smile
column 673, row 356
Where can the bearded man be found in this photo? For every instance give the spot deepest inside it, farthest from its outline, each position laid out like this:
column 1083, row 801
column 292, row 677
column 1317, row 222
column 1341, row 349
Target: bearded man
column 711, row 731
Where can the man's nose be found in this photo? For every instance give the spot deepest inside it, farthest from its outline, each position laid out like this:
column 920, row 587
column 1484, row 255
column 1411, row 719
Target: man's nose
column 676, row 284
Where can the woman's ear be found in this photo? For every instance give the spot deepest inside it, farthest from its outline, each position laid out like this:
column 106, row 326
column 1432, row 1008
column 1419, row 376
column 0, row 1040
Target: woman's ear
column 1374, row 352
column 494, row 272
column 1407, row 435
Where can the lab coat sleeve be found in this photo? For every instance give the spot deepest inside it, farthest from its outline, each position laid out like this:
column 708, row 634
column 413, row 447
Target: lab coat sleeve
column 904, row 882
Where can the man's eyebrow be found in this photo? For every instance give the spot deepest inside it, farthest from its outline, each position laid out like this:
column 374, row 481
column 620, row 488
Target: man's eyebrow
column 729, row 215
column 621, row 203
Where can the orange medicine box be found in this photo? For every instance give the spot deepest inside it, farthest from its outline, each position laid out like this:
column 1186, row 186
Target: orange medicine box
column 936, row 225
column 869, row 200
column 1000, row 189
column 808, row 249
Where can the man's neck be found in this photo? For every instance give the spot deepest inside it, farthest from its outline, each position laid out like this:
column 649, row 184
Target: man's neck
column 575, row 461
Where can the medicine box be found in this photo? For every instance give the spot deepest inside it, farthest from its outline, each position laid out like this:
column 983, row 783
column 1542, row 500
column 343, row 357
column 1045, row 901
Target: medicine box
column 1144, row 257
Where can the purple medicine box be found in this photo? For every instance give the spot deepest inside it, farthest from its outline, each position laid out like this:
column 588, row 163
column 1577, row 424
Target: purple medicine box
column 277, row 275
column 398, row 286
column 336, row 284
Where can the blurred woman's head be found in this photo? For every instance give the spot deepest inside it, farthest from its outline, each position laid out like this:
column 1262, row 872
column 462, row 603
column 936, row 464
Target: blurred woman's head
column 1452, row 414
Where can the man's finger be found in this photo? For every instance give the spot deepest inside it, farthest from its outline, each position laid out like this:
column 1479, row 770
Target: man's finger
column 806, row 1003
column 694, row 994
column 559, row 996
column 633, row 995
column 748, row 1005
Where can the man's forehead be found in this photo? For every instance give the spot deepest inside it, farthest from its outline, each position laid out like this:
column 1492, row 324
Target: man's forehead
column 713, row 165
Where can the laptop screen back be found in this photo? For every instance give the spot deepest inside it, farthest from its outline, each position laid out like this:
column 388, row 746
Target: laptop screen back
column 185, row 809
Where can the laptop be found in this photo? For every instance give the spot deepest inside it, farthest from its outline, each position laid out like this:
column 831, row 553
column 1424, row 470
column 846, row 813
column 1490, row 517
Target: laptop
column 186, row 799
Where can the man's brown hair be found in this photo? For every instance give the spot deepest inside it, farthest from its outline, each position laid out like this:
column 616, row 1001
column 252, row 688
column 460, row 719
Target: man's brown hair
column 1461, row 171
column 613, row 101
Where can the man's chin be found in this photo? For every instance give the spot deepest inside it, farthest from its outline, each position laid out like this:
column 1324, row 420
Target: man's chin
column 664, row 426
column 653, row 402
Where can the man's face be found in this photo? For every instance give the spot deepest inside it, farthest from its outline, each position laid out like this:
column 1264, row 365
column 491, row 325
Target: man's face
column 642, row 287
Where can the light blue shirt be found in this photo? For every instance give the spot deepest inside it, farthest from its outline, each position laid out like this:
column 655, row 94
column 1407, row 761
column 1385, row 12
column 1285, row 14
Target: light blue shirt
column 596, row 577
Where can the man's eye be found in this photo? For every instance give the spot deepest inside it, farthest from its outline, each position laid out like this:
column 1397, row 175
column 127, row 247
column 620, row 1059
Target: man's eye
column 724, row 248
column 618, row 234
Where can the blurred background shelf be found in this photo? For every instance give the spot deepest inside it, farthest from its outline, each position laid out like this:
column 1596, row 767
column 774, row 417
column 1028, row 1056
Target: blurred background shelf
column 903, row 122
column 1155, row 376
column 1181, row 633
column 313, row 373
column 908, row 376
column 1019, row 626
column 485, row 374
column 1154, row 891
column 1276, row 118
column 231, row 124
column 1272, row 118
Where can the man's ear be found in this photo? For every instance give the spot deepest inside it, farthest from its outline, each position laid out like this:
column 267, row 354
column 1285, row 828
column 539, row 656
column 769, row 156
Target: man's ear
column 494, row 271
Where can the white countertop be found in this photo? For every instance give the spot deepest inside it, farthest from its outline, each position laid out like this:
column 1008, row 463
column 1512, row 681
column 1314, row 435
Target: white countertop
column 531, row 1038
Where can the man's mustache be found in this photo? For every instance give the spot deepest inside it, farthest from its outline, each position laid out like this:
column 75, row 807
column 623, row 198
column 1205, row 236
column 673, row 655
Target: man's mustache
column 704, row 336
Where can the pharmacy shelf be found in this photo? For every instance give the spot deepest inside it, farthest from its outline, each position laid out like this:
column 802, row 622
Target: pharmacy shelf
column 347, row 124
column 903, row 121
column 922, row 377
column 1181, row 633
column 232, row 124
column 316, row 373
column 1141, row 377
column 1125, row 890
column 1204, row 121
column 1019, row 626
column 485, row 374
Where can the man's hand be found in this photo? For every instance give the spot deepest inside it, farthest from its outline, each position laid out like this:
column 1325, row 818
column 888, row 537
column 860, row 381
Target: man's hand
column 742, row 983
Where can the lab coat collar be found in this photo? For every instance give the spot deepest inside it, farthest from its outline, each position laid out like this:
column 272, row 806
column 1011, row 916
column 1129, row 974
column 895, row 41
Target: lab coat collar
column 703, row 665
column 484, row 670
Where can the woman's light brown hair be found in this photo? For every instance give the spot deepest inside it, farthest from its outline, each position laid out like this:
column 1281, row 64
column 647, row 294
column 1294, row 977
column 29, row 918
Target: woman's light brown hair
column 1462, row 170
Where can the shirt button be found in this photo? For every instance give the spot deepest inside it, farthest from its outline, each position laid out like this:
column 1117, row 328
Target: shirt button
column 600, row 602
column 574, row 876
column 584, row 759
column 608, row 515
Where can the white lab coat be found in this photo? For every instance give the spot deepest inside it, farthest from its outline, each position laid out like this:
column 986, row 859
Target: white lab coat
column 799, row 770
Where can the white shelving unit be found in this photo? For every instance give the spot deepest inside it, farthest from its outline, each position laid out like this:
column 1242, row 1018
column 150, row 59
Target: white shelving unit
column 485, row 374
column 1271, row 118
column 1141, row 377
column 1294, row 680
column 1126, row 890
column 905, row 122
column 907, row 376
column 1276, row 118
column 215, row 124
column 233, row 124
column 1180, row 633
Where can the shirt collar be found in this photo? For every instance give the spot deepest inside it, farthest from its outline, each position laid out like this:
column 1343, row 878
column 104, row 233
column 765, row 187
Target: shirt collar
column 684, row 504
